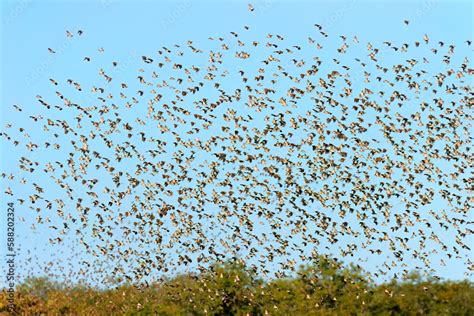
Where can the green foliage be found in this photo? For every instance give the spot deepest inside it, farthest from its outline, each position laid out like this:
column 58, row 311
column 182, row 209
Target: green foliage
column 323, row 288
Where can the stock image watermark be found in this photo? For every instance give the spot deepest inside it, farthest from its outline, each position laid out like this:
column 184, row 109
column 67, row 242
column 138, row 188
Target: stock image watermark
column 18, row 10
column 176, row 14
column 10, row 256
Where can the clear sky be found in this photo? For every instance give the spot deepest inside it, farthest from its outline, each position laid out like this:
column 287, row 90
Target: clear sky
column 128, row 30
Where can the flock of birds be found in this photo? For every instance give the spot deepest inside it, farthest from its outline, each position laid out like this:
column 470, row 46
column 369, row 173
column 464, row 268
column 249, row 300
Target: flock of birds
column 365, row 155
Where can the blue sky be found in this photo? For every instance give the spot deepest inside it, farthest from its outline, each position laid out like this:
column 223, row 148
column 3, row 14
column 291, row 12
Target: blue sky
column 128, row 30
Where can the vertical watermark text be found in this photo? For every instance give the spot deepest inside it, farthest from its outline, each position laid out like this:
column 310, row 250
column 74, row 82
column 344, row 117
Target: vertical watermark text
column 10, row 256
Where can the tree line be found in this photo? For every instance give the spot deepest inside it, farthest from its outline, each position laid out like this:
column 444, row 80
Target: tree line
column 323, row 288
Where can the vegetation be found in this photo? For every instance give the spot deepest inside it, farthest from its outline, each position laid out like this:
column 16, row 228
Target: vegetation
column 325, row 288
